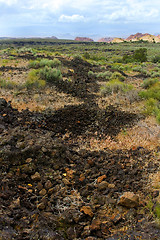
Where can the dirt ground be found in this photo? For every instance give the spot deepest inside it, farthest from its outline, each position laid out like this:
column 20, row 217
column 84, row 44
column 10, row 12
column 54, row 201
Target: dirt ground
column 68, row 155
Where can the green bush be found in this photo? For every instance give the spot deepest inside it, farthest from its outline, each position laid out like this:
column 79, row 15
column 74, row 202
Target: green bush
column 50, row 74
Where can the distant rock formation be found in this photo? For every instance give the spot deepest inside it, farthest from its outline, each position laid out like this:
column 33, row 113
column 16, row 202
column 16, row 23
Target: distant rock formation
column 145, row 37
column 83, row 39
column 53, row 37
column 136, row 36
column 117, row 40
column 106, row 39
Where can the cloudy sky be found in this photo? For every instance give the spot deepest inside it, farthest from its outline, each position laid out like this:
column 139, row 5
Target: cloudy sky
column 71, row 18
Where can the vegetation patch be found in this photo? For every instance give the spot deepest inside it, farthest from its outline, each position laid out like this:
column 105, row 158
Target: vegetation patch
column 115, row 86
column 44, row 62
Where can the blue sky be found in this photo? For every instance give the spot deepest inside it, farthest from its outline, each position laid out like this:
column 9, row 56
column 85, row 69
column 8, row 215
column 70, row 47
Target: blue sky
column 71, row 18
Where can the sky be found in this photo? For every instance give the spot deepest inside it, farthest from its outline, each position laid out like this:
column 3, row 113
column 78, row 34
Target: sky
column 85, row 18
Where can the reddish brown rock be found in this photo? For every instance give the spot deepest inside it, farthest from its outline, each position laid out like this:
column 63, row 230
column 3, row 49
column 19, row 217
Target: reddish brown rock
column 129, row 200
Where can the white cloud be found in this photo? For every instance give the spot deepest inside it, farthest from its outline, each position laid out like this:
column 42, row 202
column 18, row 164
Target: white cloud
column 9, row 2
column 132, row 11
column 49, row 12
column 73, row 18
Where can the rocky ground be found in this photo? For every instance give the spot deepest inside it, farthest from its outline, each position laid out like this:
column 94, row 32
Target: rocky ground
column 53, row 187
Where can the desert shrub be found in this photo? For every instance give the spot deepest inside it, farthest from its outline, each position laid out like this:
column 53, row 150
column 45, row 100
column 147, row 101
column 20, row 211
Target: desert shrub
column 86, row 55
column 25, row 49
column 152, row 96
column 33, row 64
column 29, row 84
column 117, row 66
column 158, row 116
column 151, row 106
column 11, row 57
column 50, row 74
column 91, row 74
column 152, row 92
column 132, row 96
column 117, row 75
column 44, row 62
column 127, row 58
column 115, row 86
column 34, row 81
column 57, row 53
column 117, row 59
column 7, row 84
column 105, row 74
column 137, row 69
column 155, row 74
column 77, row 57
column 156, row 59
column 149, row 82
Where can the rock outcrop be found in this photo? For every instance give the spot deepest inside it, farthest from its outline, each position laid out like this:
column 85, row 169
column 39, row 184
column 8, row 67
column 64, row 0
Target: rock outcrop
column 117, row 40
column 145, row 37
column 107, row 39
column 136, row 36
column 83, row 39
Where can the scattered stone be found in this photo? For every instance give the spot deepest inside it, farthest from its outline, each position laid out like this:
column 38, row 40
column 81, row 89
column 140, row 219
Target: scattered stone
column 95, row 224
column 48, row 185
column 36, row 177
column 87, row 210
column 3, row 103
column 50, row 191
column 29, row 160
column 102, row 186
column 15, row 203
column 42, row 192
column 66, row 181
column 111, row 185
column 129, row 200
column 71, row 233
column 101, row 178
column 155, row 194
column 116, row 219
column 41, row 206
column 39, row 186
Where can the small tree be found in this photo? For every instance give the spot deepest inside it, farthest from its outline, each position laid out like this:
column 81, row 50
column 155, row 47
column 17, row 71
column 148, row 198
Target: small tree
column 140, row 55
